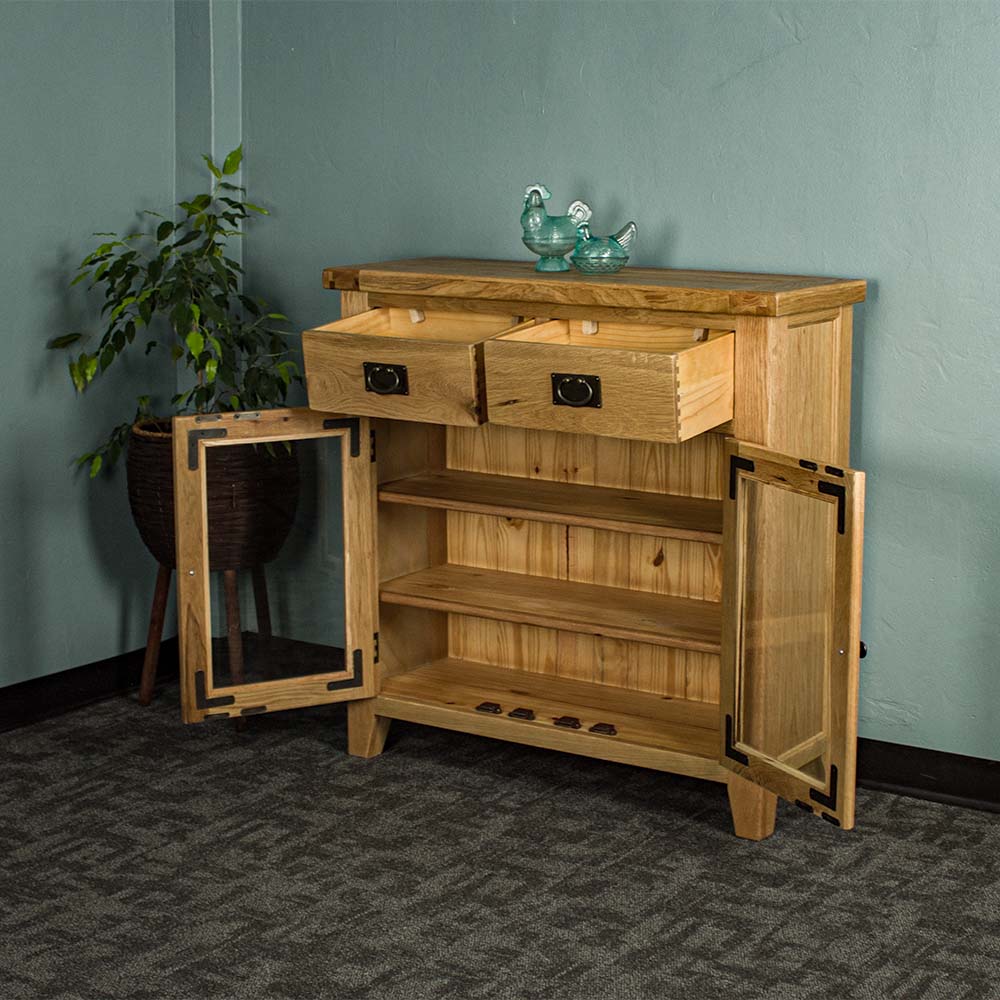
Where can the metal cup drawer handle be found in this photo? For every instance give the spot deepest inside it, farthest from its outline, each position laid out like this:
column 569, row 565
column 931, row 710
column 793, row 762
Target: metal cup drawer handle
column 386, row 379
column 570, row 389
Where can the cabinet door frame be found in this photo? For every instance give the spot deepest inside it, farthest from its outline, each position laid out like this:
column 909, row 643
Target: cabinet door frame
column 844, row 488
column 201, row 696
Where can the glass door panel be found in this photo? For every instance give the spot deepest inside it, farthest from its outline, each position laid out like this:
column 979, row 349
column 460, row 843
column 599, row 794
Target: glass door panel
column 271, row 512
column 792, row 556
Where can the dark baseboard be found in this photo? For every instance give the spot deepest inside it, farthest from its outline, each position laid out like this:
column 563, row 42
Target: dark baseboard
column 929, row 774
column 46, row 697
column 886, row 767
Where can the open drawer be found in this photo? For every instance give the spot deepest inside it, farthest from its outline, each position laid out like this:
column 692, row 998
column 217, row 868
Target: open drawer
column 403, row 363
column 631, row 380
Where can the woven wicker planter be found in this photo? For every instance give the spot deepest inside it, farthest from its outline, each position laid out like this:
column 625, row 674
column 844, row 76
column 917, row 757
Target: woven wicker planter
column 252, row 498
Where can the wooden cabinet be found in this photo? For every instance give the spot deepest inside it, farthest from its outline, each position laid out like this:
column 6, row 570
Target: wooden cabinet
column 612, row 516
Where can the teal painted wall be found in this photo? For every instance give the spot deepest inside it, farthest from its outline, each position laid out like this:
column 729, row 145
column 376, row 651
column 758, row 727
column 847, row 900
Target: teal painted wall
column 87, row 120
column 826, row 138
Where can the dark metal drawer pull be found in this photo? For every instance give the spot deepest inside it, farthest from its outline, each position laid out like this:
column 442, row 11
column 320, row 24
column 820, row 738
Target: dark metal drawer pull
column 604, row 728
column 569, row 389
column 569, row 721
column 522, row 713
column 385, row 379
column 489, row 706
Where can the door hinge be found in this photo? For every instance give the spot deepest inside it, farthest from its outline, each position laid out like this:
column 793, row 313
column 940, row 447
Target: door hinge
column 375, row 641
column 372, row 433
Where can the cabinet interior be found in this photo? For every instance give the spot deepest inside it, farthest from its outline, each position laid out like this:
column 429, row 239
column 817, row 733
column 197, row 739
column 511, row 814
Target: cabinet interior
column 568, row 574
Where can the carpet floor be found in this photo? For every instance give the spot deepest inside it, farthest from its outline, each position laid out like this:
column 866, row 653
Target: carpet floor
column 146, row 860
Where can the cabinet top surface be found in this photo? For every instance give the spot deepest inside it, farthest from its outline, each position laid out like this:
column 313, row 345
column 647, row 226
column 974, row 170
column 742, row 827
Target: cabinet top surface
column 731, row 292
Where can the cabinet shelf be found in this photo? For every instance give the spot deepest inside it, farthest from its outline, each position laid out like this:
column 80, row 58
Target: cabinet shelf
column 561, row 604
column 650, row 730
column 634, row 511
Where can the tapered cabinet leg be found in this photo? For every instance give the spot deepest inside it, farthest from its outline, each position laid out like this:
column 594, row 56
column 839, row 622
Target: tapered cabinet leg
column 753, row 809
column 156, row 616
column 366, row 731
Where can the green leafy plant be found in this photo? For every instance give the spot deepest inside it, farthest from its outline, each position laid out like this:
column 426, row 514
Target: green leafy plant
column 181, row 275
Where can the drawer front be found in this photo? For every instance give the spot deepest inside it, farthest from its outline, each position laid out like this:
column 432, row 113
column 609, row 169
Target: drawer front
column 388, row 377
column 407, row 364
column 612, row 392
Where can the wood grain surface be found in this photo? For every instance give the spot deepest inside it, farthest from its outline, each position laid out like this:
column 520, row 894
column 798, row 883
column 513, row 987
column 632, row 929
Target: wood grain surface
column 657, row 383
column 651, row 731
column 535, row 600
column 729, row 292
column 638, row 512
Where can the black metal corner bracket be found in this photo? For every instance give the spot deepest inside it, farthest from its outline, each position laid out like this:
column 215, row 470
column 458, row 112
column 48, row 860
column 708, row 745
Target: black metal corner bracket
column 731, row 752
column 830, row 801
column 839, row 491
column 201, row 691
column 195, row 435
column 353, row 424
column 351, row 682
column 737, row 462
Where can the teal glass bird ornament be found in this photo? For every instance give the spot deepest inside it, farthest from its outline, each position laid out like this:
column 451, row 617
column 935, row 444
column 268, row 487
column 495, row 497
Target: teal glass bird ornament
column 550, row 236
column 603, row 254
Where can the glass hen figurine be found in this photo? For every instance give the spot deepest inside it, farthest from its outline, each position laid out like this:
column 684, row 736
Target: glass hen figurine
column 603, row 254
column 550, row 236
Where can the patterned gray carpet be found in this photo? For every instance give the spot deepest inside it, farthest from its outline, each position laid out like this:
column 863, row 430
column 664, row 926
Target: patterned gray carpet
column 141, row 859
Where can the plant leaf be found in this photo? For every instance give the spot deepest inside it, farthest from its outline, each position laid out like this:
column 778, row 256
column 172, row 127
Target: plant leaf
column 64, row 341
column 211, row 166
column 95, row 466
column 164, row 229
column 256, row 208
column 233, row 160
column 195, row 342
column 211, row 367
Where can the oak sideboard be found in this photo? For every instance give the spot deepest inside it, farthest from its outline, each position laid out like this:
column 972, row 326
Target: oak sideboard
column 607, row 515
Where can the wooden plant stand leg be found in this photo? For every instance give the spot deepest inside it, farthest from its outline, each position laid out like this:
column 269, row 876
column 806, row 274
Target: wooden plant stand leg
column 366, row 731
column 155, row 634
column 753, row 808
column 234, row 629
column 261, row 602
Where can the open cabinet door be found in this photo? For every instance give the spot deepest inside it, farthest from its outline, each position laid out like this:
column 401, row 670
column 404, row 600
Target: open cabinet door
column 275, row 523
column 792, row 540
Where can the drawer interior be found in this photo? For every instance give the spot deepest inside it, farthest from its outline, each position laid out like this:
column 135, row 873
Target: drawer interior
column 647, row 337
column 427, row 325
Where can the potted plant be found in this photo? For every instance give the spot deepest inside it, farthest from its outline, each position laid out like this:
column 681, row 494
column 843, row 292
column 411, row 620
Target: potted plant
column 176, row 291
